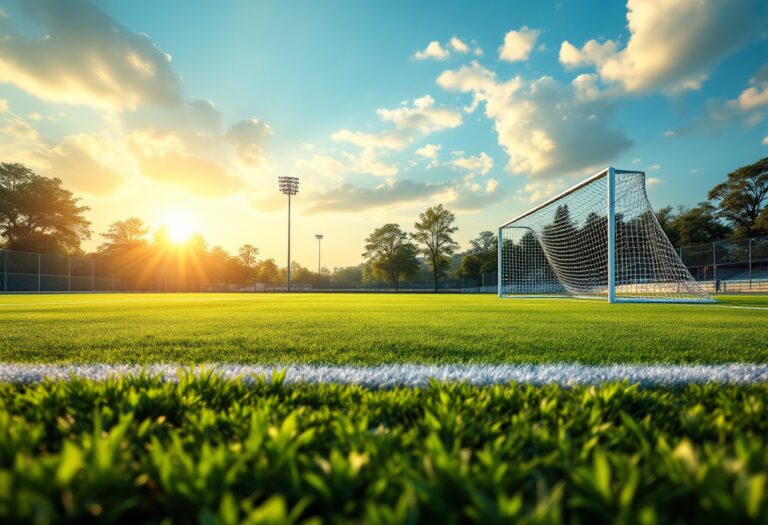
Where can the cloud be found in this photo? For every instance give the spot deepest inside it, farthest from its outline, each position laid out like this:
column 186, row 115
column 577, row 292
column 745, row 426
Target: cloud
column 517, row 45
column 350, row 198
column 433, row 50
column 85, row 58
column 481, row 163
column 469, row 195
column 546, row 128
column 669, row 133
column 650, row 182
column 756, row 95
column 384, row 140
column 83, row 163
column 249, row 137
column 747, row 106
column 653, row 167
column 364, row 163
column 538, row 191
column 765, row 140
column 592, row 53
column 422, row 116
column 428, row 151
column 437, row 51
column 458, row 45
column 165, row 158
column 673, row 45
column 412, row 120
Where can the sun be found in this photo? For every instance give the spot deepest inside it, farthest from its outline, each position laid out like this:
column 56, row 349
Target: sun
column 180, row 224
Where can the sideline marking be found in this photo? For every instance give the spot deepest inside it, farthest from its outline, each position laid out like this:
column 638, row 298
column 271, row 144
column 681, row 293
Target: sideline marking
column 414, row 375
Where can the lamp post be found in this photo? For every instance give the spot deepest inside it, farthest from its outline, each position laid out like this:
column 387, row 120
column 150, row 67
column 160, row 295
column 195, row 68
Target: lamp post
column 319, row 237
column 289, row 186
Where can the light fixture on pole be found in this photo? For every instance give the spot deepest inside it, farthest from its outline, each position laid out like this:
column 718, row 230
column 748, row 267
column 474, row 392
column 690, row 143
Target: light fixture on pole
column 319, row 237
column 289, row 186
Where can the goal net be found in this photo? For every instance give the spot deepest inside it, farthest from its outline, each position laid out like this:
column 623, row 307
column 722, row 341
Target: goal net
column 599, row 239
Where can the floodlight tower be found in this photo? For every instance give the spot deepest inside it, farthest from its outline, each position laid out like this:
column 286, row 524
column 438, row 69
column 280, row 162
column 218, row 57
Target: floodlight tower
column 319, row 237
column 289, row 186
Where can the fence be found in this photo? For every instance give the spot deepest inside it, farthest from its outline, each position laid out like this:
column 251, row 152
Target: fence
column 40, row 272
column 729, row 265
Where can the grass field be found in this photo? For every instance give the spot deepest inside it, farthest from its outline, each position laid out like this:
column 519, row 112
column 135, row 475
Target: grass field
column 202, row 449
column 373, row 329
column 220, row 452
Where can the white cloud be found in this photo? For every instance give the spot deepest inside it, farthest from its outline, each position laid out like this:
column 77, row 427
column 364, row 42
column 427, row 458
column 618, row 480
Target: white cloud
column 765, row 140
column 481, row 163
column 87, row 164
column 249, row 137
column 673, row 44
column 747, row 107
column 669, row 133
column 458, row 45
column 538, row 191
column 412, row 120
column 422, row 115
column 547, row 129
column 650, row 182
column 653, row 167
column 166, row 157
column 433, row 50
column 756, row 95
column 428, row 151
column 518, row 44
column 592, row 53
column 392, row 193
column 84, row 57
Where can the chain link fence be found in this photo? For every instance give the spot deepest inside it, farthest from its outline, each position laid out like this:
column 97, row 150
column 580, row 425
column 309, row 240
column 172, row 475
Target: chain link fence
column 41, row 272
column 729, row 266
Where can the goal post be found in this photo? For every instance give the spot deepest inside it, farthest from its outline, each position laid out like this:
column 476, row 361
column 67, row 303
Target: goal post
column 599, row 239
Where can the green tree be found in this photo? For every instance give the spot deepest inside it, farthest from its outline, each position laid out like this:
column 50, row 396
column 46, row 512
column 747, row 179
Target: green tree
column 471, row 267
column 692, row 226
column 267, row 272
column 389, row 252
column 124, row 235
column 38, row 214
column 485, row 247
column 433, row 232
column 742, row 197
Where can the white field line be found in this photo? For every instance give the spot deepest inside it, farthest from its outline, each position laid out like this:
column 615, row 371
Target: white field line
column 414, row 375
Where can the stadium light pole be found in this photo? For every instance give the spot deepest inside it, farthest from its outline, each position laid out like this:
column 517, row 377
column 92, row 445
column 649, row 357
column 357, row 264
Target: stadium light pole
column 319, row 237
column 289, row 186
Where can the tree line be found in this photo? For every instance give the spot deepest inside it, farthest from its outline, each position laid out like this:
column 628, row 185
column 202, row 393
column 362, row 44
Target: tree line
column 37, row 214
column 736, row 210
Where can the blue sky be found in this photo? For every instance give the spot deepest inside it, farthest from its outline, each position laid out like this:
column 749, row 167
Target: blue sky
column 381, row 108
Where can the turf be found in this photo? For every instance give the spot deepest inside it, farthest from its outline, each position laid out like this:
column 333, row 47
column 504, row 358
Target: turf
column 374, row 329
column 211, row 451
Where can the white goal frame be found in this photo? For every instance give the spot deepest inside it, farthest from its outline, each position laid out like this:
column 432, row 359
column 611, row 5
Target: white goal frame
column 681, row 288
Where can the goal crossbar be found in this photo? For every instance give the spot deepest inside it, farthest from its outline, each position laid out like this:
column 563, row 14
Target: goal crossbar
column 598, row 239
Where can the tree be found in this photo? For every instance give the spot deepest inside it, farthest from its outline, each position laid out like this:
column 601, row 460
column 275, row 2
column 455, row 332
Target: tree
column 124, row 235
column 388, row 251
column 38, row 214
column 741, row 198
column 693, row 226
column 247, row 255
column 485, row 247
column 433, row 232
column 267, row 272
column 471, row 267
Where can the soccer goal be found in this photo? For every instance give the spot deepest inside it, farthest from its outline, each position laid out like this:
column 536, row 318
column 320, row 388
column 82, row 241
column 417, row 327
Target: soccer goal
column 598, row 239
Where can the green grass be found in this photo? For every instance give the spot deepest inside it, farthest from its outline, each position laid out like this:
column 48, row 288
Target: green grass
column 376, row 328
column 220, row 452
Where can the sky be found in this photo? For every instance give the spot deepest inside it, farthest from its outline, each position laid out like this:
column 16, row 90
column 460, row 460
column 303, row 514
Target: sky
column 190, row 110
